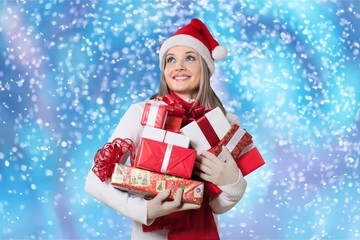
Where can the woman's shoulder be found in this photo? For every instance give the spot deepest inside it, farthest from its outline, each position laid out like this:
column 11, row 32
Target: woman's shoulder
column 232, row 118
column 137, row 108
column 140, row 105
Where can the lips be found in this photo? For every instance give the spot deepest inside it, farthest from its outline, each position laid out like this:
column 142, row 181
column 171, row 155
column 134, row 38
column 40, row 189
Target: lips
column 181, row 78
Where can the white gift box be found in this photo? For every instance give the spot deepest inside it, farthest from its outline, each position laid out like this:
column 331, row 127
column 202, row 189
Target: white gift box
column 207, row 131
column 168, row 137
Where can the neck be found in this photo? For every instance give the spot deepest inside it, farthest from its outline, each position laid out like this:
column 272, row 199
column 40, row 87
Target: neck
column 185, row 96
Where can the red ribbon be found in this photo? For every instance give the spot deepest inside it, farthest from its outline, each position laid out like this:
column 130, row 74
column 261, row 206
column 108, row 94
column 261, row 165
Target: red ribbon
column 193, row 114
column 208, row 131
column 111, row 153
column 175, row 108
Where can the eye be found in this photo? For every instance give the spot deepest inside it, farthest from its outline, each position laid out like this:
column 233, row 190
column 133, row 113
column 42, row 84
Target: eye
column 190, row 58
column 170, row 59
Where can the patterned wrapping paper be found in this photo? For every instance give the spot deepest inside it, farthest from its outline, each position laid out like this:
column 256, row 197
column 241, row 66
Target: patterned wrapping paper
column 240, row 144
column 147, row 184
column 236, row 139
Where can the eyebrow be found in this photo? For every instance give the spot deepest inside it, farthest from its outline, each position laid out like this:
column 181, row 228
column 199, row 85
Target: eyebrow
column 171, row 54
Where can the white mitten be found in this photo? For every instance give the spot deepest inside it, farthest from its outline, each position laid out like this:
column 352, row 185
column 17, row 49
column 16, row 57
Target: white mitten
column 216, row 171
column 159, row 206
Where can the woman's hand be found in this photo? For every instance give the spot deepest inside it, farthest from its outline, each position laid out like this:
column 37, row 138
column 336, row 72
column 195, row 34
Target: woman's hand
column 159, row 206
column 216, row 171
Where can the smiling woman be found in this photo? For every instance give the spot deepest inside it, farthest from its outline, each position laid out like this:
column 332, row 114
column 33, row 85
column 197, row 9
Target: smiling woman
column 187, row 63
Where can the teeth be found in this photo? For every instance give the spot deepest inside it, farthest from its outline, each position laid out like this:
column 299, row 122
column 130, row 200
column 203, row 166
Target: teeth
column 181, row 78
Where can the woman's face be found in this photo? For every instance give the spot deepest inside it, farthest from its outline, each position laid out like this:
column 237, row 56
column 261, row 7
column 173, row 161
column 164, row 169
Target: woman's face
column 182, row 71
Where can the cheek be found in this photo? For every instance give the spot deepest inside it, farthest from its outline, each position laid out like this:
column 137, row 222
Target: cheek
column 166, row 75
column 197, row 73
column 167, row 72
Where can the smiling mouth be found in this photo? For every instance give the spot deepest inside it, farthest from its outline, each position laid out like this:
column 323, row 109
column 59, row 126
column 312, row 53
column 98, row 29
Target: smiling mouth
column 181, row 78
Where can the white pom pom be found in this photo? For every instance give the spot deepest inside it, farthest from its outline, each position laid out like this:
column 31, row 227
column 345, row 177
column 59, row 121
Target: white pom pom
column 219, row 52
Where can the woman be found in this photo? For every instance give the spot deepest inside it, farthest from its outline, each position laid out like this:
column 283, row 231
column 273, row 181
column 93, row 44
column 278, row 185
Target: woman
column 187, row 63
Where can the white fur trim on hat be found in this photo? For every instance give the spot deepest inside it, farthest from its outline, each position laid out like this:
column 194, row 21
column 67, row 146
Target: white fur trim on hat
column 219, row 52
column 188, row 41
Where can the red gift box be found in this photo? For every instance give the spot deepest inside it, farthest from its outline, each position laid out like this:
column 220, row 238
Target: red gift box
column 165, row 158
column 154, row 114
column 239, row 142
column 175, row 113
column 173, row 124
column 146, row 183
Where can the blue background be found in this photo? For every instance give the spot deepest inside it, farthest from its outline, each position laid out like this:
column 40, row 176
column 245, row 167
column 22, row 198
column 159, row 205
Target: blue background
column 69, row 70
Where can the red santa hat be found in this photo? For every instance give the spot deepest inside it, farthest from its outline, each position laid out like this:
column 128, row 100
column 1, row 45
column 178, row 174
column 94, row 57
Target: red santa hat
column 197, row 36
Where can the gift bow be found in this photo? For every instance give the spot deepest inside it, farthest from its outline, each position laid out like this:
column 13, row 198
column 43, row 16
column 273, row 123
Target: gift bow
column 111, row 153
column 194, row 114
column 175, row 108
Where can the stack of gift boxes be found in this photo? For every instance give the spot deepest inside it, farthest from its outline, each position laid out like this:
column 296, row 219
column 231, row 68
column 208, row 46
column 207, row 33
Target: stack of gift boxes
column 163, row 158
column 166, row 154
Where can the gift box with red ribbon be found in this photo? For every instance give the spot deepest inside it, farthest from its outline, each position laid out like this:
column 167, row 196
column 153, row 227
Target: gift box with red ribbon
column 148, row 184
column 165, row 152
column 175, row 113
column 235, row 140
column 163, row 113
column 239, row 143
column 154, row 114
column 207, row 131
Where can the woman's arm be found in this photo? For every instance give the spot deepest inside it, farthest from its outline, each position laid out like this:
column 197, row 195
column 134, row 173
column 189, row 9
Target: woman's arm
column 122, row 202
column 226, row 175
column 231, row 194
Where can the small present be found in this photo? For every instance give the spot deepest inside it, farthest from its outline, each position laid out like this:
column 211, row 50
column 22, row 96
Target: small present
column 154, row 114
column 165, row 158
column 207, row 131
column 239, row 143
column 146, row 184
column 175, row 113
column 235, row 140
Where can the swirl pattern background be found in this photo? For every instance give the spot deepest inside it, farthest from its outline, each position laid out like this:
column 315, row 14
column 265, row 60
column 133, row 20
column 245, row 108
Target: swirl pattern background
column 70, row 68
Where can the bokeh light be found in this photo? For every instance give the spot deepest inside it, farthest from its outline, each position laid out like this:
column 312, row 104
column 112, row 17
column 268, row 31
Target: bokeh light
column 70, row 68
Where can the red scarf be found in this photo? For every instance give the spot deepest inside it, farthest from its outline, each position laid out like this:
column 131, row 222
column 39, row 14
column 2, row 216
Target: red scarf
column 191, row 224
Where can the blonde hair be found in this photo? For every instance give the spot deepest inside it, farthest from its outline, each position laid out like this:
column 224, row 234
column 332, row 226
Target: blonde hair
column 206, row 95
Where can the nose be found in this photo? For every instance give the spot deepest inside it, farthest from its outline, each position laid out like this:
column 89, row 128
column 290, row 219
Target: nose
column 179, row 65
